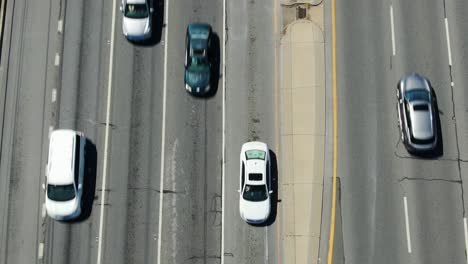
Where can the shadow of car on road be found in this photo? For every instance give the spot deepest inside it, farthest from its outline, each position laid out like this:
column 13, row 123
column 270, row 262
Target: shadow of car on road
column 89, row 182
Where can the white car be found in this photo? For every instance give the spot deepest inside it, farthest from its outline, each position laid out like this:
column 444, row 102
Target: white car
column 136, row 23
column 65, row 173
column 255, row 182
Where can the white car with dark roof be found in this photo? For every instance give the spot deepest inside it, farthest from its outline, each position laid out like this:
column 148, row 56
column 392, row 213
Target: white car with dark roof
column 255, row 183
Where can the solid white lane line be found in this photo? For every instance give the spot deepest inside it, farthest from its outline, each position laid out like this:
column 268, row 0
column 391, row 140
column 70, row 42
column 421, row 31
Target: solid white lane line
column 54, row 95
column 51, row 128
column 40, row 251
column 223, row 164
column 57, row 59
column 43, row 210
column 106, row 136
column 447, row 34
column 466, row 237
column 163, row 133
column 60, row 26
column 393, row 30
column 408, row 237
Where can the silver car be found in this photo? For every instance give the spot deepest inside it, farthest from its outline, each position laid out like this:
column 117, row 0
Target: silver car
column 136, row 22
column 416, row 113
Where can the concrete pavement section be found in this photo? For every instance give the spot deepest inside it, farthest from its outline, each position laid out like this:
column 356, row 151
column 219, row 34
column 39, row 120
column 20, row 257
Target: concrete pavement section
column 302, row 138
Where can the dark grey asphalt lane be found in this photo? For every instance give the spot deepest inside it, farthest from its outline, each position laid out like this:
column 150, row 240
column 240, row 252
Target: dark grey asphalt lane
column 191, row 213
column 375, row 171
column 28, row 51
column 249, row 116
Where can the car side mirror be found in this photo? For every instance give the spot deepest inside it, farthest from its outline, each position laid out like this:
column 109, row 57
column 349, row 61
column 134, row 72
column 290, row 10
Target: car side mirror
column 43, row 186
column 270, row 192
column 238, row 190
column 80, row 186
column 121, row 8
column 151, row 10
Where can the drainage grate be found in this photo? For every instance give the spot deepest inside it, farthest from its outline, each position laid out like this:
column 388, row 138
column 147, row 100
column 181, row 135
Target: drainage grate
column 301, row 12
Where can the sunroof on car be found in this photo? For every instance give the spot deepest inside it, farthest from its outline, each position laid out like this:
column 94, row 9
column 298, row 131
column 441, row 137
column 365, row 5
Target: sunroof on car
column 421, row 107
column 255, row 176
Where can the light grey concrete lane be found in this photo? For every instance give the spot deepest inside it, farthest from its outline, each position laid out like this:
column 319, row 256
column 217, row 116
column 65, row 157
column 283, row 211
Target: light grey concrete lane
column 457, row 24
column 191, row 213
column 25, row 131
column 370, row 197
column 249, row 116
column 438, row 207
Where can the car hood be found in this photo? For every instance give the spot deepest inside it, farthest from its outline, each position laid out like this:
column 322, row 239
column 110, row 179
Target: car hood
column 254, row 211
column 60, row 210
column 416, row 81
column 197, row 77
column 134, row 26
column 422, row 125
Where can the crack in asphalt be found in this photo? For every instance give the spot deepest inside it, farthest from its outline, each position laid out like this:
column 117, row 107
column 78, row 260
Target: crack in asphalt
column 204, row 257
column 429, row 180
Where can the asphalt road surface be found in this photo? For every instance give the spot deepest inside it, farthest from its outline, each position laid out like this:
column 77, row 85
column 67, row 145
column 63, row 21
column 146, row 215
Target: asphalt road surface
column 64, row 58
column 396, row 208
column 250, row 116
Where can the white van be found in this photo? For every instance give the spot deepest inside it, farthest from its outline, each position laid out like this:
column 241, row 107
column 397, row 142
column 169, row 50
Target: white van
column 65, row 173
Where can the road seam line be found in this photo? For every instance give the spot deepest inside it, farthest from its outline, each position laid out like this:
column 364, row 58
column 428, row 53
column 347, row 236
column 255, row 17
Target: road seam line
column 277, row 41
column 106, row 136
column 163, row 132
column 335, row 137
column 408, row 236
column 393, row 30
column 447, row 34
column 466, row 237
column 223, row 164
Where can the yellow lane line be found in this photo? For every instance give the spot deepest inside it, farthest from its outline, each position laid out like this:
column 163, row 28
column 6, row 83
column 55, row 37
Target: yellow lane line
column 335, row 136
column 275, row 81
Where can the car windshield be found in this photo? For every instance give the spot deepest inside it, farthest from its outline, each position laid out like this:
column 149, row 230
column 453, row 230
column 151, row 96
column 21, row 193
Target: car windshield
column 255, row 154
column 417, row 95
column 60, row 192
column 255, row 193
column 136, row 11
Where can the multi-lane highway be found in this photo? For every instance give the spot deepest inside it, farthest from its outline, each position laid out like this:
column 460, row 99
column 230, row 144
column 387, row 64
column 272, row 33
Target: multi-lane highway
column 155, row 153
column 162, row 169
column 394, row 207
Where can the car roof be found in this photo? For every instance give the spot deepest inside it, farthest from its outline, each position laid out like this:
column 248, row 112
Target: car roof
column 61, row 157
column 136, row 1
column 196, row 28
column 421, row 121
